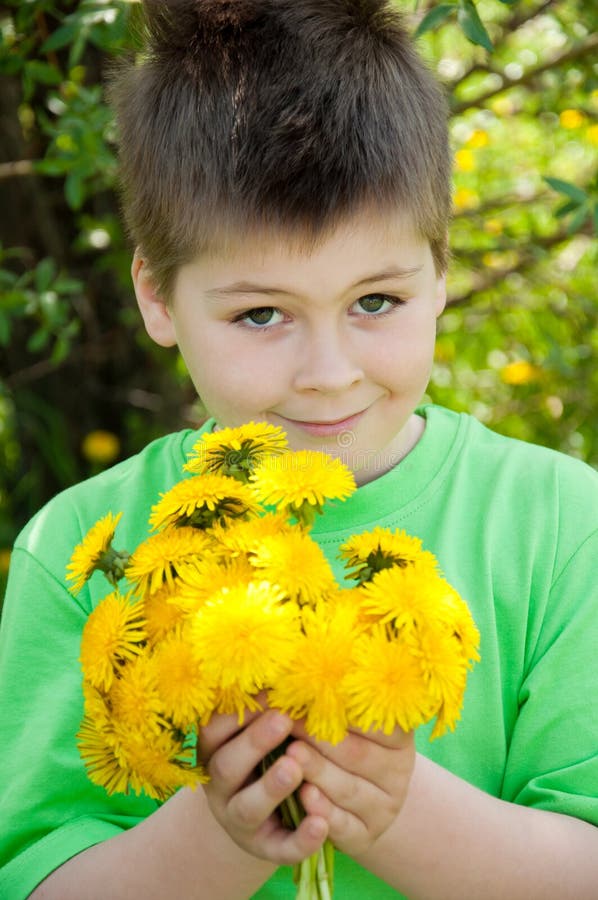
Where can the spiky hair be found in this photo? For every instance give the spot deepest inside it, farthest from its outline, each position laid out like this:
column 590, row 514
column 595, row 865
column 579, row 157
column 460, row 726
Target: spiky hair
column 276, row 114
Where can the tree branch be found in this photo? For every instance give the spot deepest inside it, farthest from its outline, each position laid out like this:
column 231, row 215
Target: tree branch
column 574, row 53
column 489, row 279
column 17, row 167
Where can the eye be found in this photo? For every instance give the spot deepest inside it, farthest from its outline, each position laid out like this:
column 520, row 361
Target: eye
column 260, row 317
column 379, row 304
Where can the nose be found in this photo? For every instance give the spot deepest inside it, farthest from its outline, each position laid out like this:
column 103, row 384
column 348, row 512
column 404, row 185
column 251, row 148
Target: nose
column 327, row 365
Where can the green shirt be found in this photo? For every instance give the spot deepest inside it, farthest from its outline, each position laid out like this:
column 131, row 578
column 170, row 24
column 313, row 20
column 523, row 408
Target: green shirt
column 515, row 529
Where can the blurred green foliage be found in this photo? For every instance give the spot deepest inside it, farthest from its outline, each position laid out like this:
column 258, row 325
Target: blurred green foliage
column 80, row 384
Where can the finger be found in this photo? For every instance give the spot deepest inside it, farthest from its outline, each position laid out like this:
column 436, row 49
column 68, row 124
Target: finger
column 290, row 847
column 359, row 754
column 232, row 762
column 343, row 789
column 222, row 728
column 255, row 803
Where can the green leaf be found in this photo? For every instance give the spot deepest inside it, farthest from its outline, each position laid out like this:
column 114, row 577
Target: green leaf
column 73, row 190
column 434, row 17
column 45, row 274
column 59, row 38
column 473, row 27
column 595, row 217
column 43, row 72
column 566, row 208
column 578, row 219
column 569, row 190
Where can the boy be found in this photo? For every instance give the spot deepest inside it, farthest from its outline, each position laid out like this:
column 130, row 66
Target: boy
column 286, row 180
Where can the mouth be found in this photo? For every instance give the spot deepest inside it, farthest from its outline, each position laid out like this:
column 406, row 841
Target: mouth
column 326, row 428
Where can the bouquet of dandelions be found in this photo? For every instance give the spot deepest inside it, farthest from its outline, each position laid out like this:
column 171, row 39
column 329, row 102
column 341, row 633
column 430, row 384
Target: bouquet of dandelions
column 231, row 598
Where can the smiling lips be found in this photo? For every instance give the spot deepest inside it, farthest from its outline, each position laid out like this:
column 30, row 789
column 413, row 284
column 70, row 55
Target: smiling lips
column 328, row 429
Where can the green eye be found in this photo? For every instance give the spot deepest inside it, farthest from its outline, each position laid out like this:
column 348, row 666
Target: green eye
column 373, row 303
column 261, row 316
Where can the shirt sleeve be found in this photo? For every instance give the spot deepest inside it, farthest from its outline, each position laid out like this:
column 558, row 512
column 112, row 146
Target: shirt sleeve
column 552, row 760
column 49, row 809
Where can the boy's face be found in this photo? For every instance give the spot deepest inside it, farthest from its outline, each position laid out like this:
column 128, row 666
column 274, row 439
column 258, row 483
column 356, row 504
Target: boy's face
column 334, row 344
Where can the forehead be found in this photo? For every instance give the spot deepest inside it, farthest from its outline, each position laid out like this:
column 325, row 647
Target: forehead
column 368, row 240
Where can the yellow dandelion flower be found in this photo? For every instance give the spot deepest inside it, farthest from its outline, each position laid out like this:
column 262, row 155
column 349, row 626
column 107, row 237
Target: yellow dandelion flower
column 135, row 701
column 99, row 754
column 185, row 695
column 386, row 685
column 299, row 482
column 112, row 634
column 159, row 767
column 459, row 621
column 382, row 548
column 91, row 553
column 235, row 451
column 519, row 372
column 296, row 563
column 464, row 161
column 406, row 597
column 478, row 138
column 243, row 536
column 100, row 446
column 313, row 681
column 156, row 561
column 197, row 584
column 164, row 611
column 347, row 602
column 465, row 198
column 202, row 500
column 233, row 701
column 572, row 118
column 242, row 634
column 444, row 670
column 592, row 134
column 96, row 707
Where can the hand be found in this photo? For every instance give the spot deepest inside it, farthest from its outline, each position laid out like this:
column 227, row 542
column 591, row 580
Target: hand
column 359, row 786
column 245, row 803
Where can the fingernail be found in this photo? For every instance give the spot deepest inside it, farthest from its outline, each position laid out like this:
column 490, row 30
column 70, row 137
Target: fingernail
column 283, row 776
column 279, row 725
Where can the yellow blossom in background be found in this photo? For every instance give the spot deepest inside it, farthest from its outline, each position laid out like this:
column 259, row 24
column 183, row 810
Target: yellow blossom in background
column 235, row 451
column 242, row 636
column 592, row 135
column 572, row 118
column 478, row 138
column 311, row 683
column 88, row 554
column 465, row 198
column 493, row 227
column 519, row 372
column 464, row 161
column 5, row 555
column 385, row 685
column 101, row 447
column 301, row 479
column 296, row 564
column 156, row 561
column 202, row 500
column 112, row 634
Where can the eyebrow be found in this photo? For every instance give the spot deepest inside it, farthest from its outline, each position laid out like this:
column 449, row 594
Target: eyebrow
column 249, row 287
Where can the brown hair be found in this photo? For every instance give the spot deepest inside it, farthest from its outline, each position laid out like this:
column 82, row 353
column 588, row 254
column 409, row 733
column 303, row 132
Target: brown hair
column 276, row 114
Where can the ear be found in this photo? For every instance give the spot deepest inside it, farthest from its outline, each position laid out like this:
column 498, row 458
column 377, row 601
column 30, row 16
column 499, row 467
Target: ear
column 153, row 307
column 440, row 294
